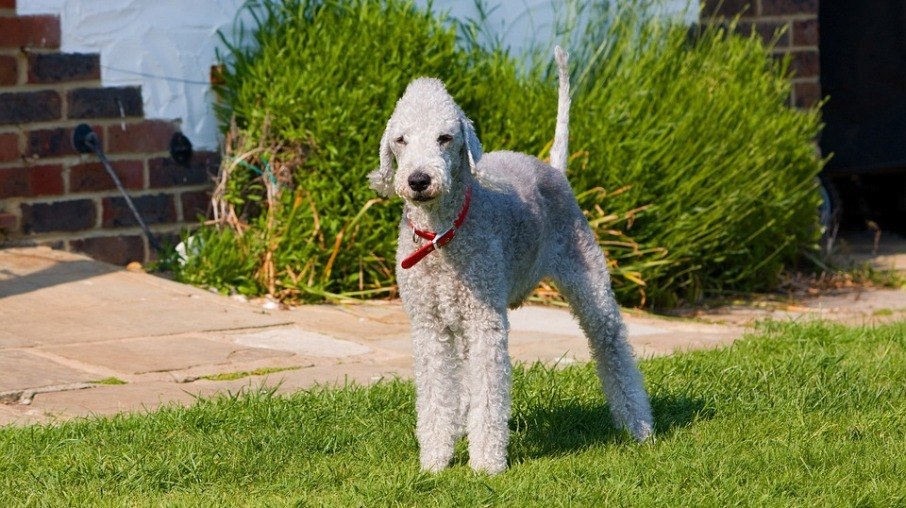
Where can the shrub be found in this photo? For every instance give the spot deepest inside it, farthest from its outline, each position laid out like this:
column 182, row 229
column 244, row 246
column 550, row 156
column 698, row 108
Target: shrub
column 699, row 129
column 319, row 79
column 695, row 174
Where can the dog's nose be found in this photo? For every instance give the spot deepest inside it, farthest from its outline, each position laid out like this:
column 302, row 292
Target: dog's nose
column 419, row 181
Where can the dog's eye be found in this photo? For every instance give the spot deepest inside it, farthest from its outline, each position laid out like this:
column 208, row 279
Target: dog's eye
column 443, row 139
column 400, row 140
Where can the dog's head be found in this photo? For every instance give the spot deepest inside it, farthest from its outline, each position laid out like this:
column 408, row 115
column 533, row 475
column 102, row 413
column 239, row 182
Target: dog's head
column 427, row 146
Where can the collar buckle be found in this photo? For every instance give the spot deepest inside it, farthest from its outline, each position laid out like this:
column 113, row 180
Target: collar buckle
column 444, row 238
column 437, row 240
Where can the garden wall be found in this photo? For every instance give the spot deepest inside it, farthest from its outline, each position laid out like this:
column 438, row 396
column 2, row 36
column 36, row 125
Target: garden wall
column 800, row 41
column 50, row 194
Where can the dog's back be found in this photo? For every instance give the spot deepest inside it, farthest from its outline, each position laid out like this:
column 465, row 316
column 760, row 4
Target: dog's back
column 533, row 199
column 530, row 204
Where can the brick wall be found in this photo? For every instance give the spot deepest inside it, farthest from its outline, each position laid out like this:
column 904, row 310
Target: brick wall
column 800, row 40
column 50, row 194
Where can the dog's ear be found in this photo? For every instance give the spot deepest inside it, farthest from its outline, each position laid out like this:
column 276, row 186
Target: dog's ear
column 471, row 146
column 381, row 179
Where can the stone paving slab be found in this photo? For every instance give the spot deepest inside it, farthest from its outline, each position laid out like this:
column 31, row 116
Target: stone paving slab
column 67, row 319
column 301, row 342
column 550, row 349
column 374, row 321
column 21, row 415
column 53, row 297
column 109, row 399
column 24, row 270
column 21, row 370
column 852, row 306
column 161, row 354
column 886, row 252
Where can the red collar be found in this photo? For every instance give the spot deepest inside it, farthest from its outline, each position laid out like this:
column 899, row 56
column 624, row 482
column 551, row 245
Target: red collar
column 437, row 240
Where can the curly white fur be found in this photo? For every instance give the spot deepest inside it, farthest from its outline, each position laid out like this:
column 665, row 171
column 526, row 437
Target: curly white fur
column 523, row 225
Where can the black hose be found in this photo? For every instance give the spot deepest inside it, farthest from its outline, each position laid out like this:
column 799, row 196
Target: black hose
column 85, row 140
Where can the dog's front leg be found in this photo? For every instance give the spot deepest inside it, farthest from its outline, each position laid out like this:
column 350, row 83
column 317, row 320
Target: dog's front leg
column 488, row 378
column 437, row 395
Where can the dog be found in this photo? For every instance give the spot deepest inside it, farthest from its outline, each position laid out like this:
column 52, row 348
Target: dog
column 478, row 233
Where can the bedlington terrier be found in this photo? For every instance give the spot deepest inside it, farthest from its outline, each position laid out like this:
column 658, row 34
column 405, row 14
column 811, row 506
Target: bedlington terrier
column 499, row 223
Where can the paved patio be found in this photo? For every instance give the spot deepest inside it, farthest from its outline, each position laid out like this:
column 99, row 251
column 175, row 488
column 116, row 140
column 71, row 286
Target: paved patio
column 69, row 322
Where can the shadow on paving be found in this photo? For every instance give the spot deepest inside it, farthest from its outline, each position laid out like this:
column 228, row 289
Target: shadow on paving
column 13, row 284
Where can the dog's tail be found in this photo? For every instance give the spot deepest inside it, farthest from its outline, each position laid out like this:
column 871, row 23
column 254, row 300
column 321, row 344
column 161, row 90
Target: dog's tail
column 560, row 148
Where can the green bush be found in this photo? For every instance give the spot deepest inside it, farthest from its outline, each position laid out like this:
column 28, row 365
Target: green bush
column 321, row 79
column 694, row 172
column 697, row 128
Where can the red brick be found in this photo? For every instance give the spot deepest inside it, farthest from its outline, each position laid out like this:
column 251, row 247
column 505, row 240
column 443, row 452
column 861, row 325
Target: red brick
column 116, row 250
column 155, row 209
column 41, row 31
column 727, row 8
column 805, row 32
column 195, row 204
column 775, row 7
column 26, row 107
column 7, row 4
column 75, row 215
column 9, row 147
column 805, row 64
column 31, row 181
column 52, row 142
column 806, row 95
column 8, row 222
column 111, row 102
column 165, row 172
column 63, row 67
column 45, row 180
column 146, row 136
column 9, row 70
column 768, row 31
column 92, row 176
column 13, row 183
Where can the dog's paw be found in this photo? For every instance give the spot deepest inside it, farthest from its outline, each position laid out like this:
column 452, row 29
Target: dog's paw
column 490, row 467
column 641, row 430
column 433, row 467
column 434, row 464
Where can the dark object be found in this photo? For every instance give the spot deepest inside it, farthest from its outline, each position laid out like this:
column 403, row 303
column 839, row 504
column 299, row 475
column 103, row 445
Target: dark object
column 80, row 139
column 863, row 71
column 829, row 212
column 84, row 140
column 181, row 149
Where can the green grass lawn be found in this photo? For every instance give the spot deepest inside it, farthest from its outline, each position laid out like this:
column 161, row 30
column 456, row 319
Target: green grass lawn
column 807, row 415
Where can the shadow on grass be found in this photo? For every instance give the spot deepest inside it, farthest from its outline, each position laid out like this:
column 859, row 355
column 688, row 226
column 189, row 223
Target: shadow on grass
column 550, row 431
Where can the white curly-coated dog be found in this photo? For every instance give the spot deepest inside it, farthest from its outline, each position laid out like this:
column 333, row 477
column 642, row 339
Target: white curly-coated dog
column 479, row 231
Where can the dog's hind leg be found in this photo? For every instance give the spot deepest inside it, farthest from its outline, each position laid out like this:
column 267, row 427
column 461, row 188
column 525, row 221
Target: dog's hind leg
column 580, row 272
